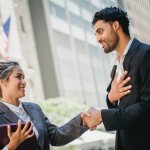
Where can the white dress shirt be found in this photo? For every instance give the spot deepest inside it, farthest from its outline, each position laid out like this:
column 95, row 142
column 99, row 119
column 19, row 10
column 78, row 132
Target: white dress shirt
column 119, row 61
column 22, row 114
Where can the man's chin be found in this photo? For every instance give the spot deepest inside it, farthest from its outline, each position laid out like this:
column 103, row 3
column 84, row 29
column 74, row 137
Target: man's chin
column 108, row 50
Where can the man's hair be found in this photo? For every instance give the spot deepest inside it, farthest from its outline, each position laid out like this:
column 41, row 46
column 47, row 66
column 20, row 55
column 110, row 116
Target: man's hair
column 111, row 14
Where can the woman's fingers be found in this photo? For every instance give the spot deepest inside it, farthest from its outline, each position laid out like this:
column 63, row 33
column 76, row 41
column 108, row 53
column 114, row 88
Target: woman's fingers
column 29, row 131
column 30, row 135
column 19, row 126
column 26, row 127
column 85, row 114
column 9, row 131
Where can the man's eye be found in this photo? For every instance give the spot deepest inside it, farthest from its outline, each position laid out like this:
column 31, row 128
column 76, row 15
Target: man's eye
column 100, row 31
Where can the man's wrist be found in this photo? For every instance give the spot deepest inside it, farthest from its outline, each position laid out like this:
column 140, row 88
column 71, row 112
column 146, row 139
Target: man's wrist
column 110, row 99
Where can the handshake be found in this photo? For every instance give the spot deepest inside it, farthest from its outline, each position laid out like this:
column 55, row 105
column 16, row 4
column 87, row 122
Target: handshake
column 91, row 118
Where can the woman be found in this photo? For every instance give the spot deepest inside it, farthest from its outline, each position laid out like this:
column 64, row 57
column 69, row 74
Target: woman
column 12, row 110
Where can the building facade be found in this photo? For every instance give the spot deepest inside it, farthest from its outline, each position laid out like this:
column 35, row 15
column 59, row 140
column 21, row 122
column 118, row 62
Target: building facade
column 71, row 62
column 138, row 12
column 55, row 41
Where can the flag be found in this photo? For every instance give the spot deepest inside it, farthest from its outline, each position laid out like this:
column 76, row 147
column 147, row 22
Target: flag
column 4, row 38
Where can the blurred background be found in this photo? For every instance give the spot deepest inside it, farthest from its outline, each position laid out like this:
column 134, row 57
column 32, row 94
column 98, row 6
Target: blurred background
column 66, row 70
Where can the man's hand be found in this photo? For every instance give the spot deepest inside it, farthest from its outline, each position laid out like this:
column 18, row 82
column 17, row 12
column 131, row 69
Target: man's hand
column 91, row 118
column 118, row 88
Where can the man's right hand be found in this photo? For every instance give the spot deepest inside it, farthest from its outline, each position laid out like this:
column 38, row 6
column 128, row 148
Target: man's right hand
column 118, row 88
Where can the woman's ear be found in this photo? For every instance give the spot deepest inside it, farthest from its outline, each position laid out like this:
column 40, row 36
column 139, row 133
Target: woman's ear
column 2, row 82
column 116, row 25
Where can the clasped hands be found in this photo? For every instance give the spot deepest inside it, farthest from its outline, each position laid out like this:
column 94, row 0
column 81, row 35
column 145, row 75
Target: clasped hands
column 91, row 118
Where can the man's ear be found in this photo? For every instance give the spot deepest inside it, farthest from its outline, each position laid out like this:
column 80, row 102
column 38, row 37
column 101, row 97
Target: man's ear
column 116, row 25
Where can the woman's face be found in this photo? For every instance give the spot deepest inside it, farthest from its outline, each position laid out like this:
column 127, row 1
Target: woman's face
column 14, row 87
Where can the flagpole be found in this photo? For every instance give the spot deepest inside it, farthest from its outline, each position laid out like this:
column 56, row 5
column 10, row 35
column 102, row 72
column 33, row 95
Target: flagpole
column 0, row 14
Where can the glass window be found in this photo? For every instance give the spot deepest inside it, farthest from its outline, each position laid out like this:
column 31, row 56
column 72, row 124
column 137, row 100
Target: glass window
column 76, row 20
column 57, row 11
column 74, row 8
column 59, row 2
column 62, row 39
column 94, row 52
column 88, row 26
column 85, row 4
column 80, row 47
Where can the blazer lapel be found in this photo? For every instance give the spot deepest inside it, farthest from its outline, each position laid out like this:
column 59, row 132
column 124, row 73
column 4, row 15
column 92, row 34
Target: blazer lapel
column 34, row 118
column 30, row 111
column 112, row 75
column 8, row 114
column 132, row 51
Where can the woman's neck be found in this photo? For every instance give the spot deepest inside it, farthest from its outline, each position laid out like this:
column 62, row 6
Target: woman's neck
column 12, row 101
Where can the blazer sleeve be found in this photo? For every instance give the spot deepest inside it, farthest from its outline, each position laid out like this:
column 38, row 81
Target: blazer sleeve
column 123, row 118
column 62, row 135
column 109, row 104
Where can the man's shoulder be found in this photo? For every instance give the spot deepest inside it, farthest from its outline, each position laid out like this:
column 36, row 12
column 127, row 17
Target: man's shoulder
column 144, row 45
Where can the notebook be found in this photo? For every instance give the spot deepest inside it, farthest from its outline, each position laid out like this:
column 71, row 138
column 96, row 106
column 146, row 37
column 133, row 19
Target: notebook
column 28, row 144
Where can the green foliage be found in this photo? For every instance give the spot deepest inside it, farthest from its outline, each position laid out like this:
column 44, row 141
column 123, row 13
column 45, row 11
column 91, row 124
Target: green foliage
column 60, row 110
column 64, row 148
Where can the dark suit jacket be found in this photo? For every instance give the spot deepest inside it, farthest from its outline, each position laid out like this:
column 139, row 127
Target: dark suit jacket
column 48, row 132
column 131, row 118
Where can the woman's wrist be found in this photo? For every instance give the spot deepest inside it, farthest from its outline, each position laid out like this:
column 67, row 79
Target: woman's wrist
column 11, row 146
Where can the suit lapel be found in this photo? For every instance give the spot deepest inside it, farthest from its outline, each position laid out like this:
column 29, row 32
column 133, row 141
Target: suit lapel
column 32, row 114
column 29, row 111
column 112, row 75
column 132, row 51
column 8, row 114
column 34, row 118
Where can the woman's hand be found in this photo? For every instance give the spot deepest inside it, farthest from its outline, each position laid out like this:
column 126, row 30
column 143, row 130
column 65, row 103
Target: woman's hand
column 20, row 135
column 118, row 88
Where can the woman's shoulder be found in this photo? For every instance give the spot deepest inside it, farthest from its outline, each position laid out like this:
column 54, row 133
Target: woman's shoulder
column 31, row 104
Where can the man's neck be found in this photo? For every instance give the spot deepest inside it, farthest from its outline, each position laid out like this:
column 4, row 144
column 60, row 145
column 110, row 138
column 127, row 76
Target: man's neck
column 123, row 42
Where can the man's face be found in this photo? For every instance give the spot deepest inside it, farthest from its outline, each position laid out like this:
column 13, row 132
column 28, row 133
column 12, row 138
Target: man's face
column 106, row 35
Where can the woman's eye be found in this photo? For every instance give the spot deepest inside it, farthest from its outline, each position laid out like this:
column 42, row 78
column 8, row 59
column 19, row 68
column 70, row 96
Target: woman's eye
column 19, row 77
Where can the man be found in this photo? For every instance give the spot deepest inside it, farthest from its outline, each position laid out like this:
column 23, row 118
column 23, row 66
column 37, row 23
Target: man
column 130, row 115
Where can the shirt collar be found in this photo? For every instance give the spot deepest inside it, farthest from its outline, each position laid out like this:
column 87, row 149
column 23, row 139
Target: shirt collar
column 13, row 107
column 128, row 46
column 116, row 58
